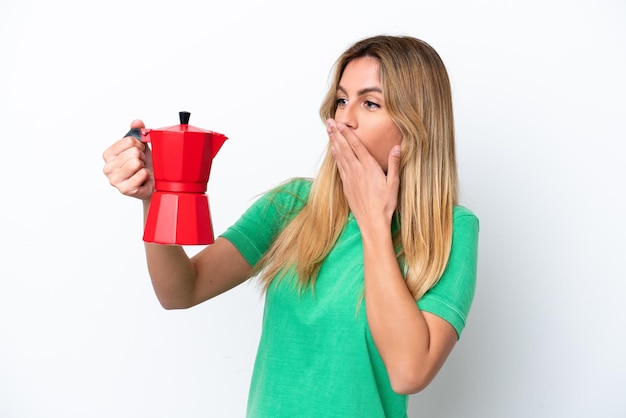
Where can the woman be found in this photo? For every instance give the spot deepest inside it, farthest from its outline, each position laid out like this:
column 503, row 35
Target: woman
column 369, row 269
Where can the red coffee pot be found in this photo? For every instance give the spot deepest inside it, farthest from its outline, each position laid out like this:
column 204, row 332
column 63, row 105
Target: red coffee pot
column 179, row 208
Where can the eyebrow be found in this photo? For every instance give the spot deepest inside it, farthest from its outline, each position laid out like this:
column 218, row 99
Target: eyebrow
column 363, row 91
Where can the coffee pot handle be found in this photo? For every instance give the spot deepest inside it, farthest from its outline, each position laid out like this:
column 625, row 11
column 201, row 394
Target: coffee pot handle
column 137, row 133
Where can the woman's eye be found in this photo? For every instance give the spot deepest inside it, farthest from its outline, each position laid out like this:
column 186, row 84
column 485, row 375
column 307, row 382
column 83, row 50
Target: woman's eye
column 371, row 105
column 340, row 102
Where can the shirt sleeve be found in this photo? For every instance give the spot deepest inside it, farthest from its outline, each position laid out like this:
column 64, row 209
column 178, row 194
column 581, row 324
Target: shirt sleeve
column 256, row 229
column 452, row 296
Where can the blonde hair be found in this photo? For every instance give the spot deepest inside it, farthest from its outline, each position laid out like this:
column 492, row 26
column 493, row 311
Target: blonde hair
column 417, row 94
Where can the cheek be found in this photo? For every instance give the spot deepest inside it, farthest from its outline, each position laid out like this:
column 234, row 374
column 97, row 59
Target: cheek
column 380, row 151
column 388, row 138
column 380, row 141
column 393, row 137
column 395, row 134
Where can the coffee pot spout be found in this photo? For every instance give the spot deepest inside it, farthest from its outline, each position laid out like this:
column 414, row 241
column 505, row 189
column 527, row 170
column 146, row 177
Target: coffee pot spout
column 217, row 140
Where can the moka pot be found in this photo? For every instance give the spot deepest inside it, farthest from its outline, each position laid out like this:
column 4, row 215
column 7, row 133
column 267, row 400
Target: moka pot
column 182, row 156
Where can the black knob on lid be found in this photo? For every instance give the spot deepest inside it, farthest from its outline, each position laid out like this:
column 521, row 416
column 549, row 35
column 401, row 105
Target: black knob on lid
column 184, row 117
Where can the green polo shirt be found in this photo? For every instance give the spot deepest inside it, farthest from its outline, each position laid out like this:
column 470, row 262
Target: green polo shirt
column 316, row 357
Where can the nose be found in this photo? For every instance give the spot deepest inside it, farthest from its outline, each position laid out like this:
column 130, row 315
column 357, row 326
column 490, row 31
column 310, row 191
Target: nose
column 346, row 115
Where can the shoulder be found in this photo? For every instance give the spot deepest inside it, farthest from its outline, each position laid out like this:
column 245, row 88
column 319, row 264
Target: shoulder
column 290, row 193
column 465, row 231
column 281, row 203
column 256, row 229
column 459, row 211
column 300, row 186
column 464, row 217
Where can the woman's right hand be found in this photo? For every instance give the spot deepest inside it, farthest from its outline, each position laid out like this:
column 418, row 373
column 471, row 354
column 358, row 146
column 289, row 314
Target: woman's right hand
column 128, row 166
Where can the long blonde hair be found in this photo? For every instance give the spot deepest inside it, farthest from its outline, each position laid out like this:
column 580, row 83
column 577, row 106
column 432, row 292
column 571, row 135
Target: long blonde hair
column 417, row 94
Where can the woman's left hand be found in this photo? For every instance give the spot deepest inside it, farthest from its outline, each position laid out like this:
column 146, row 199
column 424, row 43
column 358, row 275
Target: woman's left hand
column 372, row 194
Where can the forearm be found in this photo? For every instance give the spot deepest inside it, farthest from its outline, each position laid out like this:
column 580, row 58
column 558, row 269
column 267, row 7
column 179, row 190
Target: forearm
column 172, row 273
column 398, row 327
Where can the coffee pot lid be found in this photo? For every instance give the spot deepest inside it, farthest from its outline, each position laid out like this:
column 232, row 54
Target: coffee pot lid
column 185, row 127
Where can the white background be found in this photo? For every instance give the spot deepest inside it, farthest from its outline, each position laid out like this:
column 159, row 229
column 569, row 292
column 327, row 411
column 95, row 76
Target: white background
column 540, row 107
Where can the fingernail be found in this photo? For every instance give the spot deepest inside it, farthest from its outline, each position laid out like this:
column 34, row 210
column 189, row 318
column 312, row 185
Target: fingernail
column 329, row 124
column 396, row 150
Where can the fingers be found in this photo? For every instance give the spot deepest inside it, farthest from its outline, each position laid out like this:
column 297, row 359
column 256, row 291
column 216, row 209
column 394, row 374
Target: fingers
column 129, row 173
column 123, row 164
column 345, row 145
column 122, row 146
column 393, row 164
column 125, row 143
column 138, row 185
column 128, row 167
column 344, row 154
column 137, row 123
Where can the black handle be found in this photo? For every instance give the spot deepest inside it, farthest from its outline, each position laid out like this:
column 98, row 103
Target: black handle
column 184, row 117
column 135, row 132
